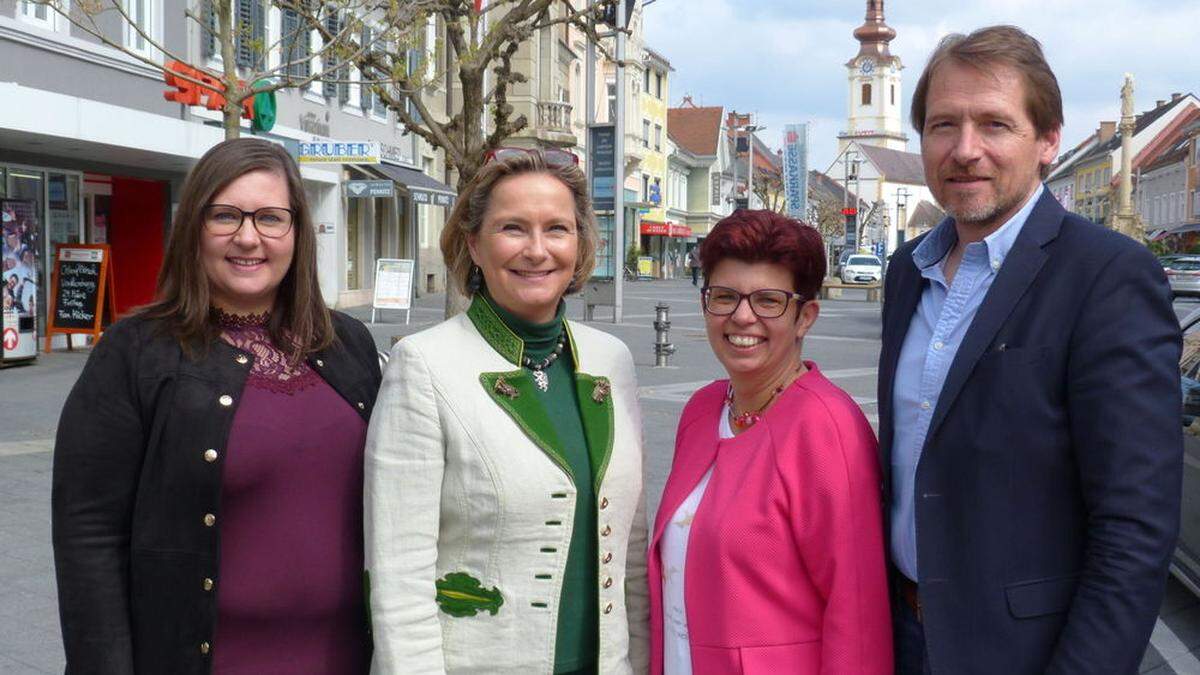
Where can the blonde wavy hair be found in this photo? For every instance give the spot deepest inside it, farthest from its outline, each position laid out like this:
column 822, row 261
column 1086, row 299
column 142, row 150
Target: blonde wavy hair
column 467, row 216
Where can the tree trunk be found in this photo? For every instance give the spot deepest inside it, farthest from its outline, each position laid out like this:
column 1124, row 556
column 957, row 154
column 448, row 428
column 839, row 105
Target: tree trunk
column 231, row 113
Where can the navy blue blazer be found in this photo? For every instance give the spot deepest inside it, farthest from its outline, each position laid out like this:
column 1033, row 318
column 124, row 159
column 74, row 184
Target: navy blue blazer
column 1048, row 487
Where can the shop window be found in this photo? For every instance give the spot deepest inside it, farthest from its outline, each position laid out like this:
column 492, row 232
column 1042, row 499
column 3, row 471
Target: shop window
column 866, row 94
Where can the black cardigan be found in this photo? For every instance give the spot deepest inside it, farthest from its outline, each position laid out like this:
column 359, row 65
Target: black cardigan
column 137, row 486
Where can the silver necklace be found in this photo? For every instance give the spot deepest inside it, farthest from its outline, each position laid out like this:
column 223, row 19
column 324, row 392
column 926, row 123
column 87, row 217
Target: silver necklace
column 540, row 378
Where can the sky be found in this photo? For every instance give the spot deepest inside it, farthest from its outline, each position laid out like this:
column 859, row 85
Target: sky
column 785, row 59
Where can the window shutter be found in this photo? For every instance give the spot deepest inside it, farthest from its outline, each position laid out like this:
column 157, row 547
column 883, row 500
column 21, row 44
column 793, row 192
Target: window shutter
column 414, row 62
column 366, row 94
column 250, row 25
column 329, row 88
column 290, row 23
column 208, row 39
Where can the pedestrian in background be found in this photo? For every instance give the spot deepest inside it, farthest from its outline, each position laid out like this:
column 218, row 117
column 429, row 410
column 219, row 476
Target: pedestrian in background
column 767, row 554
column 505, row 522
column 693, row 263
column 207, row 499
column 1028, row 395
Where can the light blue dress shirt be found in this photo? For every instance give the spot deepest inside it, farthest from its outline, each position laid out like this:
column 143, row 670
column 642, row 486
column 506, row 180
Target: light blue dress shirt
column 938, row 326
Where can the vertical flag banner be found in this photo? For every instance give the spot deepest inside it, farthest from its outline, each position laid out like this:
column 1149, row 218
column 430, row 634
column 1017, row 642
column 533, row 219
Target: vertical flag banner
column 795, row 169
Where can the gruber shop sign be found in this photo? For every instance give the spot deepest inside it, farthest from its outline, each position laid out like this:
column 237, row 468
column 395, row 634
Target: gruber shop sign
column 197, row 87
column 338, row 152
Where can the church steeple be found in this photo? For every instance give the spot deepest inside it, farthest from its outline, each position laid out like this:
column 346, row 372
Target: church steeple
column 873, row 75
column 874, row 35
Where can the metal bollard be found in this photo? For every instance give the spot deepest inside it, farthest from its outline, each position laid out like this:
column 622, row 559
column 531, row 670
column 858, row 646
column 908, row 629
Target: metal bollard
column 663, row 349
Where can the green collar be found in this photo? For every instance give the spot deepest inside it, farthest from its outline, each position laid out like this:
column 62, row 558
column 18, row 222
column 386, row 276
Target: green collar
column 496, row 333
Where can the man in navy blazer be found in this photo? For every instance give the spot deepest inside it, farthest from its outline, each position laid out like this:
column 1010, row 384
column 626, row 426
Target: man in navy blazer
column 1029, row 395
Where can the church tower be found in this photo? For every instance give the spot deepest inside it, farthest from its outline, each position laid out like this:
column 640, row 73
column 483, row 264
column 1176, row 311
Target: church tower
column 874, row 114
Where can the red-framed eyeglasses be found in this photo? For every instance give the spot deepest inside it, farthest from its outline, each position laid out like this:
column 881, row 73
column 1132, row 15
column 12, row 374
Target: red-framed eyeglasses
column 552, row 156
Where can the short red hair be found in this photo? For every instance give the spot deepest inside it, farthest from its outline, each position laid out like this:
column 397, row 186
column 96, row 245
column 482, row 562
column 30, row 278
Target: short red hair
column 768, row 237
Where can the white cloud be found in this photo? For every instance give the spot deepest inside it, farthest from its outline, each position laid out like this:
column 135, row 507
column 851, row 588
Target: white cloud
column 784, row 58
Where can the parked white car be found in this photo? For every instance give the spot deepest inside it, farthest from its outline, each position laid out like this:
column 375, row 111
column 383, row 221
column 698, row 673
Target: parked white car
column 862, row 269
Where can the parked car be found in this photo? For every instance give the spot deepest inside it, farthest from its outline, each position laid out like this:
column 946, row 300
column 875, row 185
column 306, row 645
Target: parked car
column 1184, row 274
column 1185, row 564
column 862, row 269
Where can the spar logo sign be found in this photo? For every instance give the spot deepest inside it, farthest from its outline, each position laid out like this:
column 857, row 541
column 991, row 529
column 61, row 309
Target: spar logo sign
column 11, row 339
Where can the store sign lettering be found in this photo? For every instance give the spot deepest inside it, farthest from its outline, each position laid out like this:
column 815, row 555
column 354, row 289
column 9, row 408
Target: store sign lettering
column 197, row 87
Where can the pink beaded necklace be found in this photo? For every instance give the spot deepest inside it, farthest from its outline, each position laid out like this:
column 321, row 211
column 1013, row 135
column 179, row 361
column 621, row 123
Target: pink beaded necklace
column 747, row 419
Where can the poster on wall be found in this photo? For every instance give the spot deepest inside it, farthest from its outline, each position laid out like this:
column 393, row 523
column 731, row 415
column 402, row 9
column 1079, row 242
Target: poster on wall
column 18, row 278
column 18, row 257
column 101, row 206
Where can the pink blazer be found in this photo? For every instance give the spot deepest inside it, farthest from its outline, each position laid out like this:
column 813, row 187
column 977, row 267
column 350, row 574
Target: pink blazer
column 785, row 561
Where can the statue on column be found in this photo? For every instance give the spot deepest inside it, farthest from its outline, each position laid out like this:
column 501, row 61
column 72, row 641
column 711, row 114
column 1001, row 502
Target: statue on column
column 1127, row 96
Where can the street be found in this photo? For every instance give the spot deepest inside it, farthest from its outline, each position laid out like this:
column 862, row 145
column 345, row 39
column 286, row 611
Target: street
column 844, row 343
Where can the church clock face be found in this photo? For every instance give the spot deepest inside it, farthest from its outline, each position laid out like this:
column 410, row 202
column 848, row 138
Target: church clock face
column 866, row 67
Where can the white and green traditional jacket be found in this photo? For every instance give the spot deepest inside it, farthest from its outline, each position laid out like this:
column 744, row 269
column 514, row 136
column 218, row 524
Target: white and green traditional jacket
column 469, row 510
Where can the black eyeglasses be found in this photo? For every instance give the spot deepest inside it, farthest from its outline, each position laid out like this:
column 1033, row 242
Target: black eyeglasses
column 766, row 303
column 271, row 221
column 552, row 156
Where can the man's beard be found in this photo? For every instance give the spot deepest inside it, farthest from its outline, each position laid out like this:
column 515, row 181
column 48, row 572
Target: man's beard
column 982, row 213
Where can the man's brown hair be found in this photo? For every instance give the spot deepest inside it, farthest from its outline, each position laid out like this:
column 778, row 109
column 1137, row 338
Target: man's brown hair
column 467, row 216
column 299, row 323
column 987, row 48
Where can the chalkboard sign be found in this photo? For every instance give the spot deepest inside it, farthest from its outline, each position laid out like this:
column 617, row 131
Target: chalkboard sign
column 81, row 290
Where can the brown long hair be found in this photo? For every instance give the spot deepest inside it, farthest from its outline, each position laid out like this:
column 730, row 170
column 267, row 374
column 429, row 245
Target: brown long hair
column 300, row 322
column 467, row 216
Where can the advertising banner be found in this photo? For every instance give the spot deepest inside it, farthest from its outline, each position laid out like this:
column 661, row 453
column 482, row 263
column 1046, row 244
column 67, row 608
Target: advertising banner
column 795, row 169
column 602, row 151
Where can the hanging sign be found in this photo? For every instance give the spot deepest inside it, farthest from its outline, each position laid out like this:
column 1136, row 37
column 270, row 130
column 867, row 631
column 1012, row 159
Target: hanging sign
column 82, row 298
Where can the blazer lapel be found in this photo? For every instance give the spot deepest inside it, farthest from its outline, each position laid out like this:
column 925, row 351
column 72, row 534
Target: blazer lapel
column 900, row 309
column 1020, row 268
column 701, row 443
column 513, row 390
column 595, row 397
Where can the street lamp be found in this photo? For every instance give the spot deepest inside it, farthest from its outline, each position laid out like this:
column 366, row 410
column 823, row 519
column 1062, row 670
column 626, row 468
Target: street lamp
column 901, row 222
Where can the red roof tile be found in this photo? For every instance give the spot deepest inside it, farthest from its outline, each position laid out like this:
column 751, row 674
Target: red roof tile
column 695, row 129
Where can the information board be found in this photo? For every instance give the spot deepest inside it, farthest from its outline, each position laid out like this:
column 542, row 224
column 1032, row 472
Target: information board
column 393, row 286
column 82, row 298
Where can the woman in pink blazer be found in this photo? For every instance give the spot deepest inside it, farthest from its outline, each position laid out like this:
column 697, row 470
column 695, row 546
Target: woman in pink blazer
column 767, row 554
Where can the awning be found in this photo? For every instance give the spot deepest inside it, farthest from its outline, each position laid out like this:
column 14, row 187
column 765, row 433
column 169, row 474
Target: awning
column 651, row 228
column 1186, row 227
column 424, row 190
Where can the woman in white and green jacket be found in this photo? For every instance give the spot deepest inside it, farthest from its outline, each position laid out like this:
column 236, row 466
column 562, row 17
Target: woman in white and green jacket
column 505, row 530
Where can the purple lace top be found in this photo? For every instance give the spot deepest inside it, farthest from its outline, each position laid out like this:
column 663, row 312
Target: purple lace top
column 289, row 591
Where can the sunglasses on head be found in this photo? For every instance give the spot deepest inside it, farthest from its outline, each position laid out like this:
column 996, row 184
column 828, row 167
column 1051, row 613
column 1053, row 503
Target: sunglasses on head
column 551, row 157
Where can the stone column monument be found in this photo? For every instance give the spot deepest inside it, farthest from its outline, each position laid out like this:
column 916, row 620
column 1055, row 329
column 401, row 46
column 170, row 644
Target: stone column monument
column 1125, row 220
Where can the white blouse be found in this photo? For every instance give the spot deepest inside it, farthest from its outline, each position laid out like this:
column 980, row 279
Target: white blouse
column 677, row 655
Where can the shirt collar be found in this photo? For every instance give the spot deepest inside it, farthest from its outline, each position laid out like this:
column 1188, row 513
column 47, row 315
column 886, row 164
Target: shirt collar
column 943, row 237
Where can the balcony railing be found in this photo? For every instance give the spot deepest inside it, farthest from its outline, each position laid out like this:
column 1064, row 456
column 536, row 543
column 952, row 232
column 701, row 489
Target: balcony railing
column 554, row 116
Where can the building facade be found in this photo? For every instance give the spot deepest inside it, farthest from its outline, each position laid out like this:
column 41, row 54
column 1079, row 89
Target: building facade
column 89, row 137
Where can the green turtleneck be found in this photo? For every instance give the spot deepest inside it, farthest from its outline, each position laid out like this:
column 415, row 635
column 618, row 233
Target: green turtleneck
column 577, row 645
